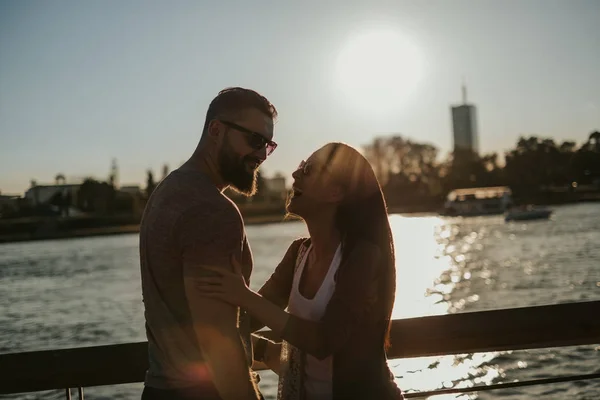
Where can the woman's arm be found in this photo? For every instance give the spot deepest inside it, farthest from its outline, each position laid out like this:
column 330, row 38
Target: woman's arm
column 266, row 307
column 263, row 310
column 277, row 288
column 351, row 305
column 269, row 359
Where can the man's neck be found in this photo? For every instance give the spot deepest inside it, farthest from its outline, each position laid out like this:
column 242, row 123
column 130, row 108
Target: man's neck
column 202, row 161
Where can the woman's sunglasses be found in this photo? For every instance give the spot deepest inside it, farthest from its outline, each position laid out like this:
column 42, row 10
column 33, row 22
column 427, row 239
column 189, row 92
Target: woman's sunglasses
column 304, row 167
column 254, row 139
column 308, row 167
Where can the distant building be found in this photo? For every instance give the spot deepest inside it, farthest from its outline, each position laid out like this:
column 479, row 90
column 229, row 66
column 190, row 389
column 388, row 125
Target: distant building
column 7, row 196
column 8, row 204
column 42, row 194
column 464, row 126
column 131, row 189
column 134, row 196
column 276, row 184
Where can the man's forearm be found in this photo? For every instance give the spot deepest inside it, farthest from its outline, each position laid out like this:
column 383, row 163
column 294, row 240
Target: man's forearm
column 230, row 373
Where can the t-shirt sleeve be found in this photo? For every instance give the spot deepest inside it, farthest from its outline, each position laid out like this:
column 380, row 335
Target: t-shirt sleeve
column 209, row 236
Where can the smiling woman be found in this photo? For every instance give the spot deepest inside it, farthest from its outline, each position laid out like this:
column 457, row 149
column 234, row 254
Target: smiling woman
column 378, row 70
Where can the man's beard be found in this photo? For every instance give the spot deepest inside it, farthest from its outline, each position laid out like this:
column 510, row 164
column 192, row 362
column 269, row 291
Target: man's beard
column 234, row 171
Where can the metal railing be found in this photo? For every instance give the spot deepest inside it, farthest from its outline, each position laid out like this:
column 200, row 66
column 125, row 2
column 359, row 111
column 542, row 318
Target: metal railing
column 484, row 331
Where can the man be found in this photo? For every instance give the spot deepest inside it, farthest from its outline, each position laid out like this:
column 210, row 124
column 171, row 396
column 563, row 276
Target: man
column 200, row 348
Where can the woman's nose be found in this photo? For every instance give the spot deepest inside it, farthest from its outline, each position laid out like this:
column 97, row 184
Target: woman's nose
column 297, row 173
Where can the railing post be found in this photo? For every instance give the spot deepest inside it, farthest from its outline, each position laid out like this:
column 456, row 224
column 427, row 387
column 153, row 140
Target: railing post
column 80, row 391
column 68, row 393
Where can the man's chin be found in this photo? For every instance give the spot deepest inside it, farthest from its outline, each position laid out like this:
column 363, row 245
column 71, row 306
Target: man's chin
column 251, row 169
column 245, row 189
column 246, row 193
column 242, row 183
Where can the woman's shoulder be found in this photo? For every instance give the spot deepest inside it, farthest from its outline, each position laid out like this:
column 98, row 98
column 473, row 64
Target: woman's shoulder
column 300, row 242
column 294, row 250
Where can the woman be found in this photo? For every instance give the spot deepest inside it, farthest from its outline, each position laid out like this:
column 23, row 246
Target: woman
column 331, row 297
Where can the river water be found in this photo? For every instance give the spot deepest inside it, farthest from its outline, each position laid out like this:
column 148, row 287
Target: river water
column 84, row 292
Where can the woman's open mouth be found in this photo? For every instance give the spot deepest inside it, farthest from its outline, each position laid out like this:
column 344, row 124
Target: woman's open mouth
column 296, row 192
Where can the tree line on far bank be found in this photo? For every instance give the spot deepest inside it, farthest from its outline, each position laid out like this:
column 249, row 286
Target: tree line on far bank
column 412, row 176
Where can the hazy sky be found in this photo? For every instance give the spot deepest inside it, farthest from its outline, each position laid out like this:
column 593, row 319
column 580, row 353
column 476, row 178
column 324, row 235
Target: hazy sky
column 82, row 82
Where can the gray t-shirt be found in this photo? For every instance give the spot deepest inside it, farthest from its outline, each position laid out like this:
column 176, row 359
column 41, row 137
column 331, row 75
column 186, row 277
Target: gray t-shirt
column 187, row 222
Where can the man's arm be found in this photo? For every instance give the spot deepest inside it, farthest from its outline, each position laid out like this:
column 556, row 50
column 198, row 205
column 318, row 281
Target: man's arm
column 209, row 238
column 215, row 324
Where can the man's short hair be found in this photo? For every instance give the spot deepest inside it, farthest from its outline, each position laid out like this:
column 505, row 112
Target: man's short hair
column 234, row 99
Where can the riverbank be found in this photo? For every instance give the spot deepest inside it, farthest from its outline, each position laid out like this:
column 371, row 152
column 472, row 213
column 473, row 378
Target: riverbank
column 52, row 228
column 135, row 228
column 27, row 236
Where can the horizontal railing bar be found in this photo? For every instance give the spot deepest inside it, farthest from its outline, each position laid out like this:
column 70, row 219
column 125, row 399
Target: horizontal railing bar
column 483, row 331
column 523, row 328
column 508, row 385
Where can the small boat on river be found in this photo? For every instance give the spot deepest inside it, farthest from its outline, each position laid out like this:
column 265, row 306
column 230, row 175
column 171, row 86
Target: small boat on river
column 527, row 213
column 479, row 201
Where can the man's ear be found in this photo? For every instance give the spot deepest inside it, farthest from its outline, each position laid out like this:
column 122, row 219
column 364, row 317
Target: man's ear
column 214, row 129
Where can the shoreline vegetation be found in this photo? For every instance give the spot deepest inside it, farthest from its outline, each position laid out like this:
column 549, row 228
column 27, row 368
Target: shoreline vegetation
column 539, row 171
column 51, row 228
column 54, row 228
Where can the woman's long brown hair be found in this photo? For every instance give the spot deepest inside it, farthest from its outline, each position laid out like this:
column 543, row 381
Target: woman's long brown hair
column 362, row 216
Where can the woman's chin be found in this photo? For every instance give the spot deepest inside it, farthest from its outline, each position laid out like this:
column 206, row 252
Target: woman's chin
column 293, row 208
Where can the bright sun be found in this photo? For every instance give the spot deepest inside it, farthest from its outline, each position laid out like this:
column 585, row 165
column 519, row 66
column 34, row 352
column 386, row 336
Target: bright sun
column 378, row 70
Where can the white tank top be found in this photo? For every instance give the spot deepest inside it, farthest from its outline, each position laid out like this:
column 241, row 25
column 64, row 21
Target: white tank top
column 318, row 373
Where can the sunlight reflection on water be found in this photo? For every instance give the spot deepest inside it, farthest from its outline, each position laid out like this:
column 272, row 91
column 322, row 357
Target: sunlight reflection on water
column 424, row 256
column 86, row 292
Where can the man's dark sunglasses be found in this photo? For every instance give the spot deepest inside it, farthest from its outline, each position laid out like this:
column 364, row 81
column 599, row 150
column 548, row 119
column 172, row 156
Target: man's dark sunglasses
column 255, row 139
